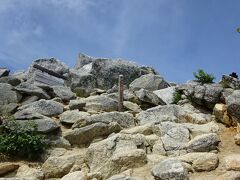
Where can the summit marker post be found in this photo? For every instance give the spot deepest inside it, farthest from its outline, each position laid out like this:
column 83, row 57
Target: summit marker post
column 120, row 93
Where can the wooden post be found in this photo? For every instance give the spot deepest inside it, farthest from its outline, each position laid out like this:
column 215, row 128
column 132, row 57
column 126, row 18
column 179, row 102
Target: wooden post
column 120, row 93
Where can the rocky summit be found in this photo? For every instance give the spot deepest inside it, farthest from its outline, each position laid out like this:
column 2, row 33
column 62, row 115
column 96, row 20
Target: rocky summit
column 95, row 127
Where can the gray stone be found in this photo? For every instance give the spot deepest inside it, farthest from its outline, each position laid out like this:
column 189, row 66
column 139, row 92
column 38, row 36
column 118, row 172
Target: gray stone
column 44, row 107
column 233, row 105
column 11, row 79
column 8, row 95
column 76, row 104
column 131, row 106
column 29, row 99
column 203, row 143
column 8, row 108
column 149, row 82
column 4, row 72
column 70, row 117
column 50, row 64
column 170, row 169
column 64, row 93
column 232, row 162
column 101, row 103
column 87, row 134
column 32, row 90
column 166, row 94
column 149, row 97
column 201, row 161
column 83, row 60
column 173, row 113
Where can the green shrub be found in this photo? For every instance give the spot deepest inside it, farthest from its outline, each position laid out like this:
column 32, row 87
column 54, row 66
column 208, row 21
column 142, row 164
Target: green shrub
column 203, row 77
column 21, row 139
column 177, row 96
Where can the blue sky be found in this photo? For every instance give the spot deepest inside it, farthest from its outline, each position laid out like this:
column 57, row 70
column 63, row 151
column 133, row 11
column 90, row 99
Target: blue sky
column 174, row 36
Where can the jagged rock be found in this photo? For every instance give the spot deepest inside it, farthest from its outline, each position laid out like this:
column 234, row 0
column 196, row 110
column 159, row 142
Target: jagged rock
column 233, row 105
column 204, row 95
column 11, row 79
column 32, row 90
column 232, row 162
column 24, row 171
column 44, row 107
column 115, row 154
column 4, row 72
column 145, row 129
column 8, row 95
column 230, row 82
column 220, row 112
column 203, row 143
column 77, row 175
column 198, row 129
column 87, row 134
column 174, row 137
column 50, row 64
column 149, row 97
column 82, row 79
column 70, row 117
column 7, row 167
column 64, row 93
column 83, row 60
column 149, row 82
column 166, row 94
column 131, row 106
column 201, row 161
column 173, row 113
column 8, row 108
column 170, row 169
column 129, row 95
column 101, row 103
column 58, row 166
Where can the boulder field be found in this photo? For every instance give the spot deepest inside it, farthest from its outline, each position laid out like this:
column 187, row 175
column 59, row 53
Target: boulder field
column 154, row 137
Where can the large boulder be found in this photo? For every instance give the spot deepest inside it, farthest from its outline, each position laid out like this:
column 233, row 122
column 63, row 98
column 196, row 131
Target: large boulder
column 220, row 113
column 233, row 105
column 201, row 161
column 71, row 117
column 116, row 154
column 11, row 79
column 87, row 134
column 170, row 169
column 24, row 171
column 50, row 64
column 44, row 107
column 63, row 92
column 149, row 97
column 166, row 94
column 32, row 90
column 58, row 166
column 8, row 95
column 149, row 82
column 101, row 103
column 173, row 113
column 203, row 143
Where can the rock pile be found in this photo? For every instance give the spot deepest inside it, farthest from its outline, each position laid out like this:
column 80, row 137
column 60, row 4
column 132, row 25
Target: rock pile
column 89, row 139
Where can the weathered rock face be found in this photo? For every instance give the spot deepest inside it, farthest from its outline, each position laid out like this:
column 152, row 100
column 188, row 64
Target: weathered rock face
column 51, row 64
column 170, row 169
column 8, row 95
column 166, row 94
column 230, row 82
column 220, row 112
column 58, row 166
column 115, row 154
column 204, row 95
column 233, row 105
column 70, row 117
column 101, row 103
column 200, row 161
column 44, row 107
column 203, row 143
column 64, row 93
column 149, row 82
column 149, row 97
column 30, row 89
column 173, row 113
